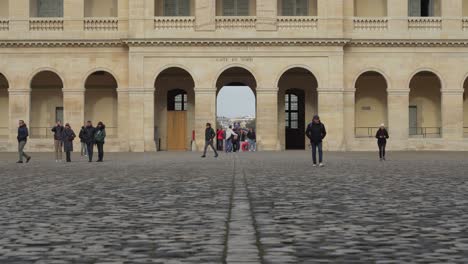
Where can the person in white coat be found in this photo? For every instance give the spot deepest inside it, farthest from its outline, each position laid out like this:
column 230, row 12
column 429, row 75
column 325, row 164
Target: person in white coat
column 230, row 134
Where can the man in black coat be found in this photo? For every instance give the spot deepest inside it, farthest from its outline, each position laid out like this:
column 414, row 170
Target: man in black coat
column 209, row 137
column 88, row 138
column 316, row 132
column 23, row 134
column 58, row 140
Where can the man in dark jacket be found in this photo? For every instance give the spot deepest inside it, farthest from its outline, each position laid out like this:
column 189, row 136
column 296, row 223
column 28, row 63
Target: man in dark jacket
column 382, row 136
column 88, row 137
column 58, row 140
column 84, row 150
column 209, row 137
column 316, row 132
column 22, row 137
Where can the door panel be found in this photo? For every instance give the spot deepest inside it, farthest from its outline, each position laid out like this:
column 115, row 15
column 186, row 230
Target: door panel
column 413, row 120
column 295, row 119
column 176, row 130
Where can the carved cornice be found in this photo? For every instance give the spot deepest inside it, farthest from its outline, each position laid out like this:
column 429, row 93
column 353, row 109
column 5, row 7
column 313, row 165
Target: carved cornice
column 408, row 43
column 235, row 42
column 231, row 42
column 60, row 43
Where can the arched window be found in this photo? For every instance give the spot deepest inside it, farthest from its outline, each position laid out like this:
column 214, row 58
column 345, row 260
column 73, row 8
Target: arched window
column 177, row 100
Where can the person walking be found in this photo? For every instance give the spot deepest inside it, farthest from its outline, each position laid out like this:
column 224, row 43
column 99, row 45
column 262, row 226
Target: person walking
column 209, row 137
column 88, row 137
column 68, row 136
column 58, row 141
column 382, row 136
column 99, row 138
column 23, row 134
column 230, row 134
column 252, row 138
column 316, row 132
column 84, row 151
column 219, row 139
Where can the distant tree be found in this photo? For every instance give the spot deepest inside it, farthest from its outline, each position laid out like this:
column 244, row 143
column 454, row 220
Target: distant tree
column 252, row 124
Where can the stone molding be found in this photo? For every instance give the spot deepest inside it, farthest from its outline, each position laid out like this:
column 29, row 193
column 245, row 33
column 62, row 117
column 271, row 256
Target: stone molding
column 399, row 92
column 19, row 91
column 452, row 92
column 339, row 42
column 330, row 91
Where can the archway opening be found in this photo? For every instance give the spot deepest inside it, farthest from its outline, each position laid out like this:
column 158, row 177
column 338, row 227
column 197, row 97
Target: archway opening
column 46, row 103
column 174, row 110
column 236, row 104
column 297, row 104
column 370, row 104
column 425, row 105
column 4, row 107
column 101, row 101
column 465, row 108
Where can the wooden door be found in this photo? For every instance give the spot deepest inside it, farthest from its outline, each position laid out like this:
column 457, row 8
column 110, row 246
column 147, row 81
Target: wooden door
column 295, row 119
column 176, row 130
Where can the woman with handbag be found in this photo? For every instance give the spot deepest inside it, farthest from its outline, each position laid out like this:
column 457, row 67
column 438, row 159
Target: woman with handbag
column 68, row 136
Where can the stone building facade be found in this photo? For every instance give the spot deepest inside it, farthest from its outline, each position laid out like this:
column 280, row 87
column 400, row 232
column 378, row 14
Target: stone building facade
column 151, row 70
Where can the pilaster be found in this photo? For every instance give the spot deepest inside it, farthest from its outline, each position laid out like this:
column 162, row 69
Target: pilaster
column 267, row 119
column 266, row 15
column 205, row 12
column 205, row 112
column 73, row 109
column 398, row 115
column 452, row 114
column 331, row 109
column 19, row 105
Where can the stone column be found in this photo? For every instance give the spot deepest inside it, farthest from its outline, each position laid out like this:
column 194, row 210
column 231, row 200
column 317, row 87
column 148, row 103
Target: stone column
column 266, row 15
column 205, row 12
column 397, row 12
column 331, row 109
column 73, row 13
column 349, row 116
column 122, row 119
column 19, row 105
column 19, row 15
column 452, row 114
column 267, row 119
column 398, row 115
column 139, row 102
column 205, row 112
column 73, row 110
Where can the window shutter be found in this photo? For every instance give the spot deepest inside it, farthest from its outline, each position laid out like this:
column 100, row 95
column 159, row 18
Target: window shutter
column 242, row 7
column 50, row 8
column 184, row 8
column 229, row 8
column 302, row 7
column 288, row 7
column 170, row 7
column 414, row 8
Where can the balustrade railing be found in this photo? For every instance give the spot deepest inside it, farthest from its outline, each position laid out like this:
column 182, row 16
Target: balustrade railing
column 425, row 23
column 465, row 23
column 4, row 24
column 297, row 22
column 365, row 132
column 425, row 132
column 46, row 24
column 235, row 22
column 101, row 24
column 177, row 23
column 370, row 23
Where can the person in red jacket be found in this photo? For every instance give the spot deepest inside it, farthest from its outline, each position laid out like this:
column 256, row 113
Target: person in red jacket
column 220, row 139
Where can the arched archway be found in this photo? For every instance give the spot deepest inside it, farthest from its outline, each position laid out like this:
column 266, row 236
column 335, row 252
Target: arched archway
column 101, row 103
column 174, row 109
column 236, row 102
column 297, row 103
column 4, row 106
column 425, row 105
column 46, row 103
column 370, row 103
column 465, row 108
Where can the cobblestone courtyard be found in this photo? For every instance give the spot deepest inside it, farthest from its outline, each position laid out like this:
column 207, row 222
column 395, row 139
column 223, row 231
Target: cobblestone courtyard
column 240, row 208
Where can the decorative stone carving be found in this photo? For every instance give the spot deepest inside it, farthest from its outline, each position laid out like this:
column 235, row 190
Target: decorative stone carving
column 425, row 23
column 235, row 22
column 370, row 23
column 297, row 22
column 4, row 25
column 46, row 24
column 101, row 24
column 169, row 23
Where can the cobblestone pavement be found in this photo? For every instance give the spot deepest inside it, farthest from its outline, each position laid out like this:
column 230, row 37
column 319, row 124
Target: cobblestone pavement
column 240, row 208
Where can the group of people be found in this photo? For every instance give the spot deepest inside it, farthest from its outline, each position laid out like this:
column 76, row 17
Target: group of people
column 315, row 132
column 231, row 140
column 236, row 139
column 63, row 140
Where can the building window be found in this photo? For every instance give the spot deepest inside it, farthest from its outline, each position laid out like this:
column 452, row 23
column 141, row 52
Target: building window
column 177, row 100
column 295, row 8
column 424, row 8
column 292, row 110
column 236, row 8
column 101, row 8
column 174, row 7
column 46, row 8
